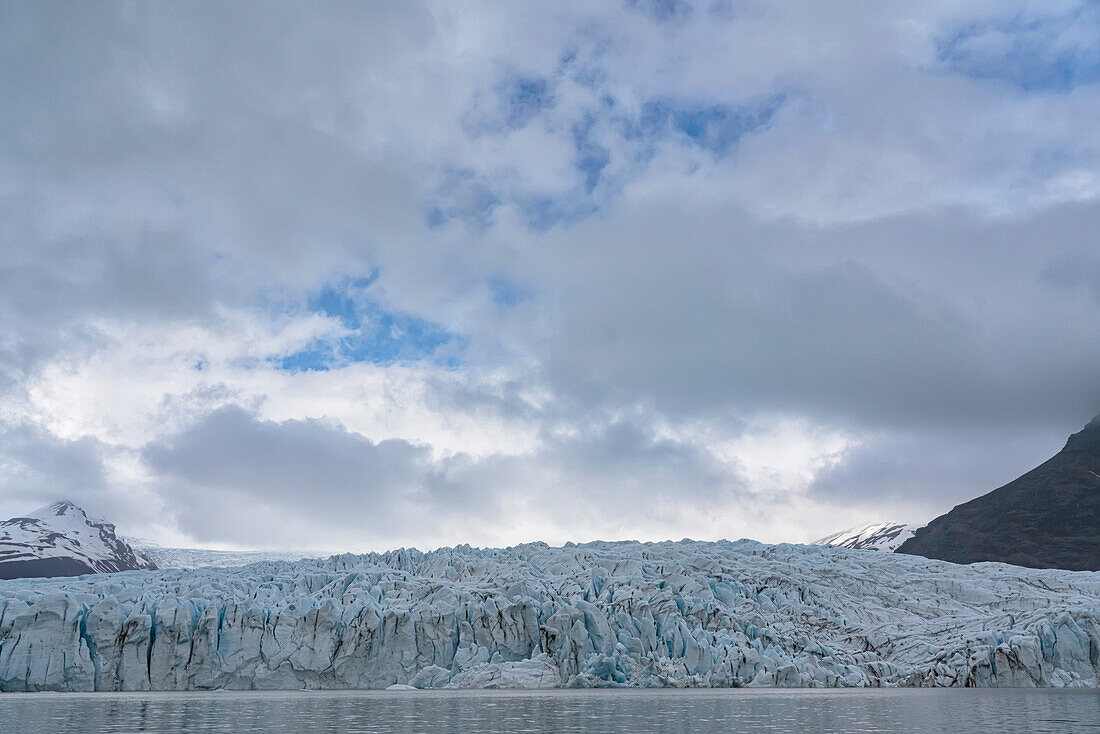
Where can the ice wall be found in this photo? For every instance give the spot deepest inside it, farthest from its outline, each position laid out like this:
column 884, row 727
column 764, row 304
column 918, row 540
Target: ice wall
column 601, row 614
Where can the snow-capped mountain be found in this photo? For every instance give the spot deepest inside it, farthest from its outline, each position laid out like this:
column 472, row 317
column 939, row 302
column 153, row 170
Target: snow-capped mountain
column 61, row 540
column 882, row 536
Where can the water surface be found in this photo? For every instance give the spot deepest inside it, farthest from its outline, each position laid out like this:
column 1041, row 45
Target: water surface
column 615, row 712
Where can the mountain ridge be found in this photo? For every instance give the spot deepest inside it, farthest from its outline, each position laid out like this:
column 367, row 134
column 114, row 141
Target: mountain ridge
column 60, row 539
column 1048, row 517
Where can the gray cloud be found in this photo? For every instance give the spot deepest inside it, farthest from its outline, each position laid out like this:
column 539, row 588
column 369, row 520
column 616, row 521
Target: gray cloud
column 233, row 477
column 908, row 323
column 40, row 467
column 930, row 472
column 232, row 461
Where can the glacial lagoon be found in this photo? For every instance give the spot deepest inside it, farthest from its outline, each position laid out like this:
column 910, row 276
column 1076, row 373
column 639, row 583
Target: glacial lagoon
column 736, row 711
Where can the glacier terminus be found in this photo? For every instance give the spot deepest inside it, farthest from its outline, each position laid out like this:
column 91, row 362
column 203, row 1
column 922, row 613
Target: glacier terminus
column 672, row 614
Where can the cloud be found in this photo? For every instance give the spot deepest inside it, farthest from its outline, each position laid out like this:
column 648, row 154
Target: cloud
column 236, row 478
column 311, row 468
column 539, row 273
column 38, row 467
column 918, row 471
column 702, row 314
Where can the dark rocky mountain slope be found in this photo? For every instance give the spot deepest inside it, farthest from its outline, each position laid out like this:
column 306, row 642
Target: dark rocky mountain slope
column 1047, row 518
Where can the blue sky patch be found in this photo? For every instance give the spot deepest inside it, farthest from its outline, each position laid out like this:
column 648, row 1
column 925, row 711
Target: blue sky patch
column 377, row 335
column 1035, row 53
column 523, row 98
column 504, row 292
column 713, row 127
column 663, row 11
column 611, row 141
column 544, row 211
column 592, row 158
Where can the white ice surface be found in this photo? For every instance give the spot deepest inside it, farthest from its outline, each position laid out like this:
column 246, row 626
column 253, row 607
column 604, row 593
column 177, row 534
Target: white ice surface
column 602, row 614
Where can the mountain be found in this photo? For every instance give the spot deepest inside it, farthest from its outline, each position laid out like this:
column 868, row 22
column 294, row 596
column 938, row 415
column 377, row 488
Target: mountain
column 881, row 536
column 1047, row 518
column 61, row 540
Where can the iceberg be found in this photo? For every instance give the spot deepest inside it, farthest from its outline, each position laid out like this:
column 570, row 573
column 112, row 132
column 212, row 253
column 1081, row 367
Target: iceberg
column 604, row 614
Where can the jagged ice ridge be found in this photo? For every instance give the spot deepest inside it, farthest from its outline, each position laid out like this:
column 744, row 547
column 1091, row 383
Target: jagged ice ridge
column 602, row 614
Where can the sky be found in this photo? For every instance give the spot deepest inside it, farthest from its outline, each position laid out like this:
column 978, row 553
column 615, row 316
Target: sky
column 374, row 275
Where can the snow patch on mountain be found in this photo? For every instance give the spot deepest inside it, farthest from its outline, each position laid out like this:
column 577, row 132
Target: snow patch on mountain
column 61, row 540
column 601, row 614
column 881, row 536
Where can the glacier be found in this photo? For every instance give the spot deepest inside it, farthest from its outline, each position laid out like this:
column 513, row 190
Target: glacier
column 172, row 557
column 603, row 614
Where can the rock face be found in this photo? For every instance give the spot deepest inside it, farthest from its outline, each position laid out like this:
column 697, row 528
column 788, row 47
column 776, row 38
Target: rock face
column 61, row 540
column 881, row 536
column 1048, row 518
column 601, row 614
